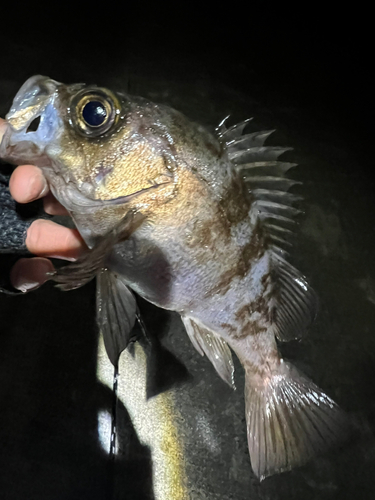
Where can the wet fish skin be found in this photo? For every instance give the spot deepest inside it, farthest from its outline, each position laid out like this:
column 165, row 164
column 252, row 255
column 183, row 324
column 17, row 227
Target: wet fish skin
column 205, row 247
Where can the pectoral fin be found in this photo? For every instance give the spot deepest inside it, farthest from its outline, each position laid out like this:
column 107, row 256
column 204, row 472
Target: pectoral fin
column 215, row 348
column 87, row 267
column 115, row 302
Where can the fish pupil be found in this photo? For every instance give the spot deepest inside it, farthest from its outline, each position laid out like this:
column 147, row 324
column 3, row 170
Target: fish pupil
column 94, row 113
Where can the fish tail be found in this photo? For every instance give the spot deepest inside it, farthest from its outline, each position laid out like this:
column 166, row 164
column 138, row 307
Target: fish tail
column 289, row 420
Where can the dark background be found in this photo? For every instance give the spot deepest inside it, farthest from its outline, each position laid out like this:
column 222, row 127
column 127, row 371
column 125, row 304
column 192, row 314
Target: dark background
column 306, row 74
column 320, row 60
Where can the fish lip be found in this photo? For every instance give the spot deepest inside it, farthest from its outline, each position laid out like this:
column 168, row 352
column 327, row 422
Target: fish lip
column 36, row 98
column 30, row 101
column 73, row 199
column 129, row 197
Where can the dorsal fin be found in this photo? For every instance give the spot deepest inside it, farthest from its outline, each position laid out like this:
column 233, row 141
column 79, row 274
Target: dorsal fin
column 255, row 139
column 215, row 348
column 255, row 154
column 265, row 178
column 226, row 135
column 295, row 302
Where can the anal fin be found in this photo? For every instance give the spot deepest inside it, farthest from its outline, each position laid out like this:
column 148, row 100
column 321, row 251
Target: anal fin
column 215, row 348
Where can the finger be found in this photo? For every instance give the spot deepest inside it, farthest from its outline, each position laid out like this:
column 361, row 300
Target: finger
column 52, row 206
column 48, row 239
column 3, row 126
column 29, row 274
column 27, row 183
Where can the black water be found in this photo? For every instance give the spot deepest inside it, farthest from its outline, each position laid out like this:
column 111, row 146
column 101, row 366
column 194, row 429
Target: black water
column 312, row 86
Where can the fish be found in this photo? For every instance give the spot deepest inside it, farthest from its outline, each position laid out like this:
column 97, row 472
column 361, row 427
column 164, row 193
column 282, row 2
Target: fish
column 194, row 222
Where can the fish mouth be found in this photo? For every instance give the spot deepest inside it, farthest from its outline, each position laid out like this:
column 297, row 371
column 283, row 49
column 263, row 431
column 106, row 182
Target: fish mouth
column 75, row 201
column 32, row 122
column 129, row 197
column 30, row 102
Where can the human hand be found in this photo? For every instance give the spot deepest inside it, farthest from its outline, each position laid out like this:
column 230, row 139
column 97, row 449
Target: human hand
column 44, row 238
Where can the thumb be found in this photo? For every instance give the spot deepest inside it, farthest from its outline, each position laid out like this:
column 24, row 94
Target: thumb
column 3, row 126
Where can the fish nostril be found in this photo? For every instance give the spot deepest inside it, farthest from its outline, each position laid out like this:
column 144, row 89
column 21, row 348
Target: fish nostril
column 33, row 127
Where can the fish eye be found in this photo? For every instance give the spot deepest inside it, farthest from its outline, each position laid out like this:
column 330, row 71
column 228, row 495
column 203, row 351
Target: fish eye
column 93, row 112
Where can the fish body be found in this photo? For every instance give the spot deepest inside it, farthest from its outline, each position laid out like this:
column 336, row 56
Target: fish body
column 213, row 212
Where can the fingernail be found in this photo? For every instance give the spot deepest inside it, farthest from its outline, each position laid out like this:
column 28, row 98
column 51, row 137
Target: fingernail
column 45, row 186
column 28, row 287
column 19, row 281
column 29, row 274
column 37, row 187
column 3, row 126
column 62, row 257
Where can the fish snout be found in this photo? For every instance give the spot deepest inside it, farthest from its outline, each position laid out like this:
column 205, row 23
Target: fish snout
column 30, row 102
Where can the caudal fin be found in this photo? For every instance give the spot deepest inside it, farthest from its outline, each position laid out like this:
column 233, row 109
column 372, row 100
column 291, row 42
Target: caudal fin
column 289, row 420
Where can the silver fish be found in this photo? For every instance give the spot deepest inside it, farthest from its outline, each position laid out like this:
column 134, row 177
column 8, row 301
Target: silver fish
column 194, row 223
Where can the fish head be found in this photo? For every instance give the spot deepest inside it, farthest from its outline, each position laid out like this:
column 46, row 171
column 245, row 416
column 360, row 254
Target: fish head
column 102, row 152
